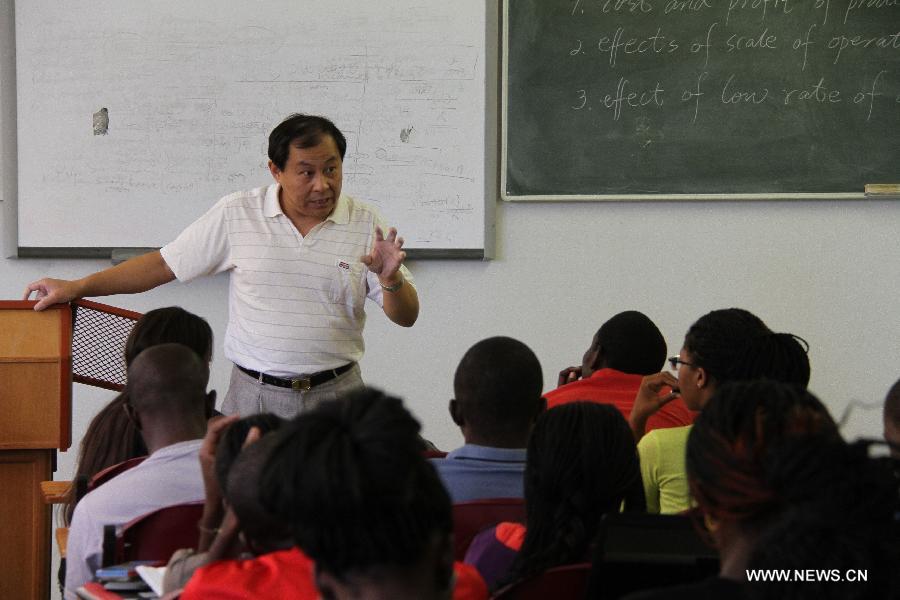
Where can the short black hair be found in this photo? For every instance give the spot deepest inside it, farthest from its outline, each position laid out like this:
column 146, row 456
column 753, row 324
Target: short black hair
column 632, row 343
column 168, row 379
column 302, row 131
column 498, row 383
column 351, row 479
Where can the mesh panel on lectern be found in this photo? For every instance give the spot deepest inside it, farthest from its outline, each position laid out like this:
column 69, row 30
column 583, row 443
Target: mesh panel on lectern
column 98, row 344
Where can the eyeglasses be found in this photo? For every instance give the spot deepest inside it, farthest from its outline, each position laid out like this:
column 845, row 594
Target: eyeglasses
column 676, row 360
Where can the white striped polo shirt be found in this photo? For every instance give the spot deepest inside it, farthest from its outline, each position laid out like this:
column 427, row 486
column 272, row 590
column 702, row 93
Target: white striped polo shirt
column 295, row 303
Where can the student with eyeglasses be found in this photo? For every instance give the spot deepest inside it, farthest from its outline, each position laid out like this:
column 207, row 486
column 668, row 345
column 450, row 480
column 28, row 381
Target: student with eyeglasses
column 724, row 345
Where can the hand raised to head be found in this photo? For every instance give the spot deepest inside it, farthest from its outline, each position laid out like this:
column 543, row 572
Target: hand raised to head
column 568, row 375
column 650, row 399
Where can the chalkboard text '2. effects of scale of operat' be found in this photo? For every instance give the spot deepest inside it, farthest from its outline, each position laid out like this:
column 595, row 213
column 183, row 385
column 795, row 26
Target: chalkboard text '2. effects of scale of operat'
column 702, row 96
column 732, row 35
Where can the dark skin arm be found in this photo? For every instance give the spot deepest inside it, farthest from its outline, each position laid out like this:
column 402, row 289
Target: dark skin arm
column 648, row 400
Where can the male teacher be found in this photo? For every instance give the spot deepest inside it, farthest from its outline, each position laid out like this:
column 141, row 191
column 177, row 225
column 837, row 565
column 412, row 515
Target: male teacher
column 302, row 259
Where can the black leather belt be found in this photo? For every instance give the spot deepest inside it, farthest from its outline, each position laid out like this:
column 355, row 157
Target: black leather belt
column 303, row 384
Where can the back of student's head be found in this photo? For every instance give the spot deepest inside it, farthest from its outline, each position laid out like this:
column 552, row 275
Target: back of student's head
column 498, row 383
column 111, row 436
column 262, row 529
column 171, row 324
column 717, row 340
column 632, row 343
column 362, row 501
column 777, row 356
column 168, row 381
column 581, row 463
column 730, row 448
column 836, row 516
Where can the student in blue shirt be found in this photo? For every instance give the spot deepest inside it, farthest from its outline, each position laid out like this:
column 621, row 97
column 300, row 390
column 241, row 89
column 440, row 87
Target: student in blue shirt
column 498, row 387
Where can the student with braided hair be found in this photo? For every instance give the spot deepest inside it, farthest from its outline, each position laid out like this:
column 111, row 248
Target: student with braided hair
column 718, row 348
column 364, row 505
column 581, row 464
column 779, row 489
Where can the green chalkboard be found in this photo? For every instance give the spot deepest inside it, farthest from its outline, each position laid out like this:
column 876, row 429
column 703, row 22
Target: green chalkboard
column 606, row 98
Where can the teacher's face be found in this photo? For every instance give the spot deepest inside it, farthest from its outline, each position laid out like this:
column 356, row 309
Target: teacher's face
column 311, row 180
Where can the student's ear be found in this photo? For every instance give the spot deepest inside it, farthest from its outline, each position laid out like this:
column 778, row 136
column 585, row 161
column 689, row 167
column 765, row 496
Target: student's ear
column 209, row 407
column 701, row 377
column 598, row 358
column 132, row 415
column 456, row 413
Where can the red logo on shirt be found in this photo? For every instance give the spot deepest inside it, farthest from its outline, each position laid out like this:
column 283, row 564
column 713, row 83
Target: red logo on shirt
column 344, row 265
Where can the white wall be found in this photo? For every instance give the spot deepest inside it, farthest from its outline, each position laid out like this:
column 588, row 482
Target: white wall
column 827, row 271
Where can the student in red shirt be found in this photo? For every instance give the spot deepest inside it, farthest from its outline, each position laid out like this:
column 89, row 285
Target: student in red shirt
column 624, row 350
column 362, row 502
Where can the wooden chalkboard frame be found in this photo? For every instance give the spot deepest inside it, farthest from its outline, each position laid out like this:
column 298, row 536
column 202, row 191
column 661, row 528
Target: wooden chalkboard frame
column 862, row 194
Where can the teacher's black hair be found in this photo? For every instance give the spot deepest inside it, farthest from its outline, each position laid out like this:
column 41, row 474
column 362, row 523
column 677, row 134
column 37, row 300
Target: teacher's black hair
column 302, row 131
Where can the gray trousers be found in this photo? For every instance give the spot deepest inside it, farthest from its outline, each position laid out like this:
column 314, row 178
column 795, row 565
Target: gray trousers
column 247, row 396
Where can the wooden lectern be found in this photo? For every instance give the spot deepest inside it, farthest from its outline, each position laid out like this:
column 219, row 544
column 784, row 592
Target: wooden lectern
column 35, row 421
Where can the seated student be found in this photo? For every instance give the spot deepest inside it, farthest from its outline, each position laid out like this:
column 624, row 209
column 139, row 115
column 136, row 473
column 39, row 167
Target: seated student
column 498, row 398
column 111, row 437
column 274, row 568
column 851, row 532
column 892, row 419
column 365, row 505
column 712, row 354
column 582, row 463
column 168, row 402
column 778, row 488
column 223, row 444
column 626, row 348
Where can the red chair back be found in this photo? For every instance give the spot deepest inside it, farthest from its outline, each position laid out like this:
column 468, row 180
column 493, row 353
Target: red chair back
column 108, row 473
column 470, row 518
column 157, row 535
column 568, row 582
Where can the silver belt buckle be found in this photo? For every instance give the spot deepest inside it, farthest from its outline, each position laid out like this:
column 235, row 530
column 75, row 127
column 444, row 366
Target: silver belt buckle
column 301, row 385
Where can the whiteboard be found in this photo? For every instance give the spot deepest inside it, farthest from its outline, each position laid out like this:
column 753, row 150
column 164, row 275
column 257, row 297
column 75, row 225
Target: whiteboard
column 192, row 90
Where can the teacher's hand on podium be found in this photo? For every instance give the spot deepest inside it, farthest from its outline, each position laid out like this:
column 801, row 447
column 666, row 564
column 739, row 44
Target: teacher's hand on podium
column 135, row 275
column 52, row 291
